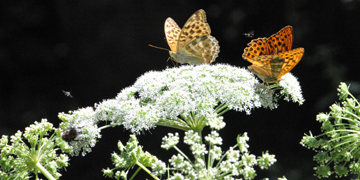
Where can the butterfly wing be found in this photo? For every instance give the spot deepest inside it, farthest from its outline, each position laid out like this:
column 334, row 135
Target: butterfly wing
column 291, row 59
column 269, row 71
column 277, row 43
column 280, row 41
column 204, row 49
column 257, row 47
column 172, row 32
column 196, row 26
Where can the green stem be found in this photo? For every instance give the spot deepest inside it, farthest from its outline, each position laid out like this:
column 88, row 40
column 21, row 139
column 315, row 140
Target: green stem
column 44, row 171
column 183, row 154
column 135, row 173
column 223, row 156
column 176, row 123
column 146, row 170
column 357, row 102
column 109, row 125
column 224, row 111
column 274, row 85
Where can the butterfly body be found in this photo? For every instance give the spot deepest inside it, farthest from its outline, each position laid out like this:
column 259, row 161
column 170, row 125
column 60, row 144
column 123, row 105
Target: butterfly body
column 272, row 57
column 192, row 44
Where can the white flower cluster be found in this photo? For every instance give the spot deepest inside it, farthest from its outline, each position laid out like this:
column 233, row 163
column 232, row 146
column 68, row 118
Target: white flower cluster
column 83, row 121
column 203, row 91
column 291, row 88
column 180, row 91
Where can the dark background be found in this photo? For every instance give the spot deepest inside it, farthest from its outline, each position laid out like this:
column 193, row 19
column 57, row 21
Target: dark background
column 95, row 48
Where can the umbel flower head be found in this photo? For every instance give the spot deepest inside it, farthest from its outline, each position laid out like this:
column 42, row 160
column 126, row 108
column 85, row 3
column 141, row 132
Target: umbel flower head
column 191, row 91
column 337, row 147
column 32, row 152
column 181, row 97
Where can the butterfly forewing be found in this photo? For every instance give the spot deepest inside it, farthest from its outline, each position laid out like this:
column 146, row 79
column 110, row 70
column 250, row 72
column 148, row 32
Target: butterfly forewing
column 196, row 26
column 277, row 43
column 193, row 43
column 257, row 47
column 172, row 32
column 280, row 41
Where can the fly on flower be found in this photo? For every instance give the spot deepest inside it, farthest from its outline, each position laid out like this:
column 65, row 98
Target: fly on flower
column 67, row 93
column 96, row 105
column 71, row 134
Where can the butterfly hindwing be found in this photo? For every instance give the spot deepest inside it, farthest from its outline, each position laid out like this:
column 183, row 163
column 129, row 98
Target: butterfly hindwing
column 291, row 58
column 204, row 48
column 268, row 72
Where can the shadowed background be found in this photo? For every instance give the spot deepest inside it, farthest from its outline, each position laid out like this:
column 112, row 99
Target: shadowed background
column 96, row 48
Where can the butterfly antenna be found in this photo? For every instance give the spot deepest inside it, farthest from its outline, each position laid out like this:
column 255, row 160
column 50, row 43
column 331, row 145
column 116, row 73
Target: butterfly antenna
column 158, row 47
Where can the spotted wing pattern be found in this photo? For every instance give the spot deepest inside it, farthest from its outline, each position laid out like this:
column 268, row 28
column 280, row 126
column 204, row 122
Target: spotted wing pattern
column 203, row 49
column 172, row 32
column 277, row 43
column 196, row 26
column 280, row 41
column 270, row 71
column 193, row 43
column 272, row 57
column 291, row 59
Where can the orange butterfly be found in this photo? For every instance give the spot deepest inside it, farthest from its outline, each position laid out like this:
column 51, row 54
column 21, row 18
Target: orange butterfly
column 272, row 57
column 192, row 44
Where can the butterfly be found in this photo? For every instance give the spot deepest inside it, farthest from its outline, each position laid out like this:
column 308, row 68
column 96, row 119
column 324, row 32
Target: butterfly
column 192, row 44
column 272, row 57
column 250, row 34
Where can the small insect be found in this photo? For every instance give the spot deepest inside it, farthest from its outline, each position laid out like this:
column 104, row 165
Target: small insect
column 67, row 93
column 71, row 134
column 250, row 34
column 96, row 105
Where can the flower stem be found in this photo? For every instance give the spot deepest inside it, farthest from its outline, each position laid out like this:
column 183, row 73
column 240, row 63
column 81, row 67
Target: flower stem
column 146, row 170
column 109, row 125
column 44, row 171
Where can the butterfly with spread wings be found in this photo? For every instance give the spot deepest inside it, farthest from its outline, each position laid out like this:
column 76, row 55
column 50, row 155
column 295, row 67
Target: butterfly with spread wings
column 273, row 57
